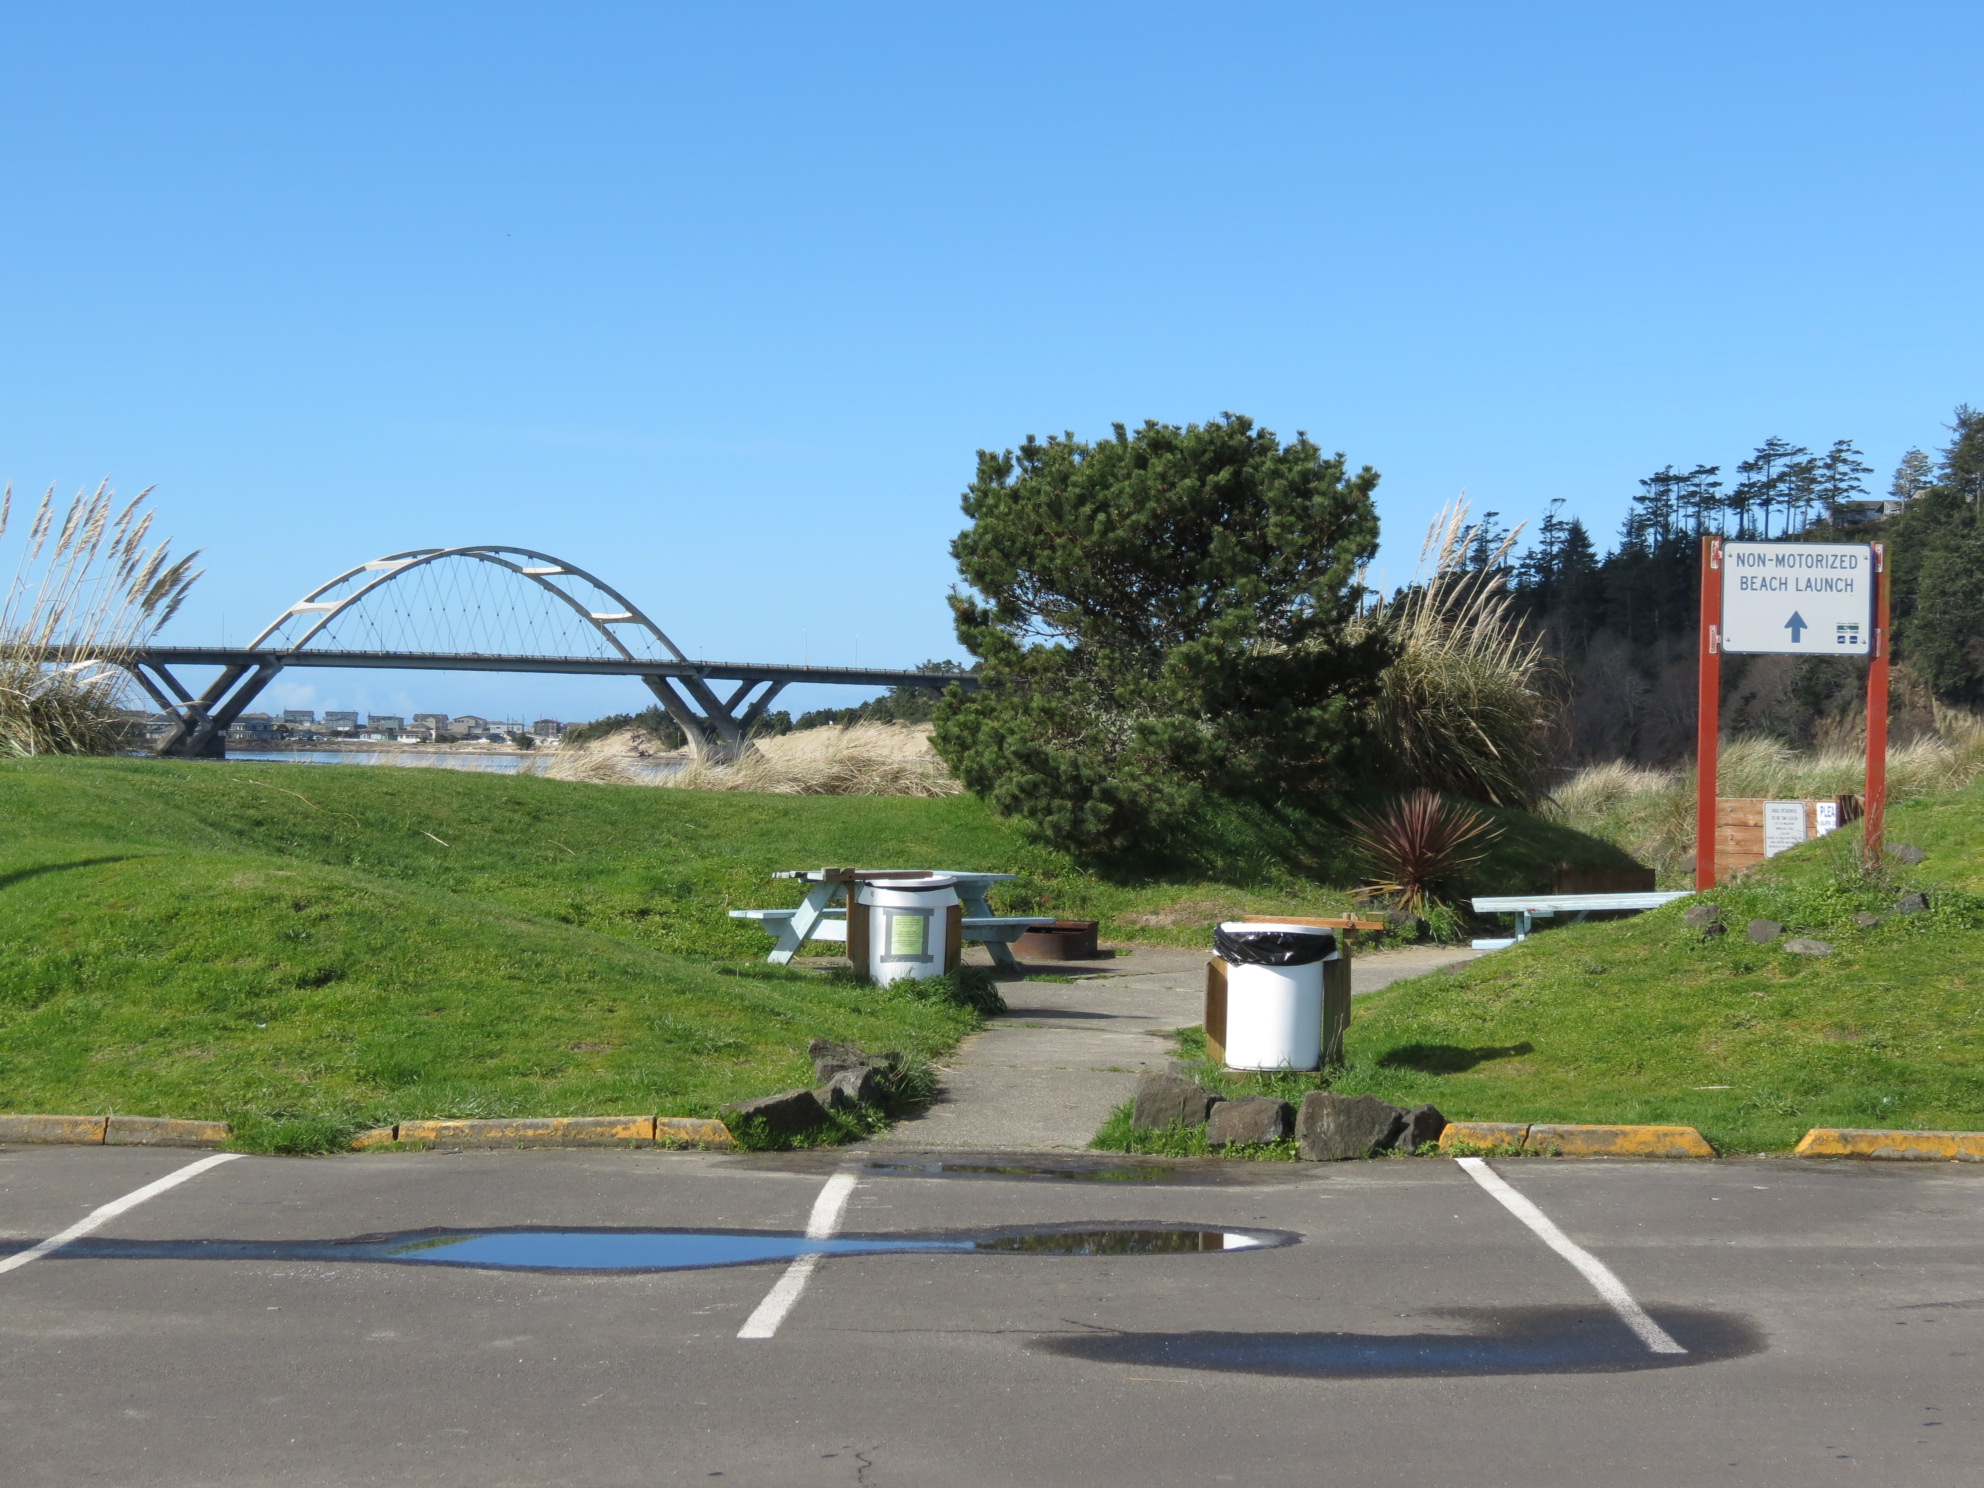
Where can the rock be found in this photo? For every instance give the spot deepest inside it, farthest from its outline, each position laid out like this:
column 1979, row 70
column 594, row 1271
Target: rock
column 1167, row 1100
column 1866, row 921
column 859, row 1087
column 1799, row 945
column 1701, row 916
column 1911, row 904
column 1404, row 923
column 830, row 1059
column 1423, row 1125
column 787, row 1114
column 1335, row 1128
column 1258, row 1118
column 1908, row 853
column 1763, row 932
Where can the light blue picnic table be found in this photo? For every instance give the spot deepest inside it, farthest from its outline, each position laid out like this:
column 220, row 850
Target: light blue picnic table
column 1528, row 908
column 822, row 915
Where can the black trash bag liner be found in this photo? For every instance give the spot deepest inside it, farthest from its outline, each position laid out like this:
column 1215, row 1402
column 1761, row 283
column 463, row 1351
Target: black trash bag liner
column 1265, row 947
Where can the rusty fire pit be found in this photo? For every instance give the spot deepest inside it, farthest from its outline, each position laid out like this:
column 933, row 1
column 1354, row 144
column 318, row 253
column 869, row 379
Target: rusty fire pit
column 1064, row 940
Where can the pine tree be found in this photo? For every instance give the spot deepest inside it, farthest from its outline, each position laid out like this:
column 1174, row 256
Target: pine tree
column 1911, row 477
column 1842, row 480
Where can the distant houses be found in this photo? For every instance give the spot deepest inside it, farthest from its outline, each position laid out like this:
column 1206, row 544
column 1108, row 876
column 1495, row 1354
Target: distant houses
column 302, row 726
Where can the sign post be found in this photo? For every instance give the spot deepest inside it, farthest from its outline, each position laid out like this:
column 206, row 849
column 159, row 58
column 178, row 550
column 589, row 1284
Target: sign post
column 1708, row 714
column 1789, row 599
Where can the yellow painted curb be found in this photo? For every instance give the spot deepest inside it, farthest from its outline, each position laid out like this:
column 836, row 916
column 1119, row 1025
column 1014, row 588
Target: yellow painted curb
column 66, row 1129
column 1484, row 1133
column 553, row 1131
column 1618, row 1141
column 692, row 1131
column 533, row 1131
column 162, row 1131
column 1893, row 1146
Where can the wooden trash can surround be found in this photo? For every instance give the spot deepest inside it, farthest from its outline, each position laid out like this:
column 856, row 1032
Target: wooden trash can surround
column 1336, row 987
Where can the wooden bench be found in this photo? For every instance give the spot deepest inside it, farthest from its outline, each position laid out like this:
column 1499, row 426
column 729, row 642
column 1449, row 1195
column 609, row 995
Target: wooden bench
column 1528, row 908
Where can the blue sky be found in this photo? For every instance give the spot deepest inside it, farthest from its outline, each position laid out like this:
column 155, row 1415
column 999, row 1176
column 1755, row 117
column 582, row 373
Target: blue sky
column 720, row 300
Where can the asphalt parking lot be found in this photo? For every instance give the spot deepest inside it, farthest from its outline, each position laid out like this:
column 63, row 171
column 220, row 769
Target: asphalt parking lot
column 273, row 1320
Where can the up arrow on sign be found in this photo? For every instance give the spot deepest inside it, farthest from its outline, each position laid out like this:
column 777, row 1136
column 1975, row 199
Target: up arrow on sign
column 1796, row 625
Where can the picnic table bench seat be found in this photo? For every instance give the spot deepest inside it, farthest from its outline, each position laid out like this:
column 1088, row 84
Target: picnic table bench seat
column 1527, row 908
column 833, row 924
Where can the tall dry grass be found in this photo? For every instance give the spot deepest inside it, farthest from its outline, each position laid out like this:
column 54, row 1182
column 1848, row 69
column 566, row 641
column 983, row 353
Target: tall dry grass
column 862, row 759
column 1469, row 703
column 1651, row 813
column 88, row 586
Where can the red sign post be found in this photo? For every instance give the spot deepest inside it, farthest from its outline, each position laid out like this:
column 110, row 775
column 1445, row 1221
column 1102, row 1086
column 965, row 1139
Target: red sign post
column 1780, row 584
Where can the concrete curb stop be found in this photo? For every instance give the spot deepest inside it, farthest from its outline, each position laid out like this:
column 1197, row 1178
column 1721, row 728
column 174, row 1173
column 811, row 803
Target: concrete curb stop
column 552, row 1131
column 112, row 1131
column 1578, row 1141
column 1891, row 1146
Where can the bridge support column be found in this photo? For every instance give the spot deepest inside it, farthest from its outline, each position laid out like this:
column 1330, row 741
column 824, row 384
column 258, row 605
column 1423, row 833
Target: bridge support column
column 201, row 723
column 717, row 733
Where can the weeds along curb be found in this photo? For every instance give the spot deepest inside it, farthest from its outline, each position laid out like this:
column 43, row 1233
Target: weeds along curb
column 112, row 1131
column 552, row 1131
column 1891, row 1146
column 1546, row 1140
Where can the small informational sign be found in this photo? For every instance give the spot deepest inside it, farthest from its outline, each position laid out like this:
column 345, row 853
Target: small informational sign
column 1827, row 813
column 1798, row 599
column 1784, row 826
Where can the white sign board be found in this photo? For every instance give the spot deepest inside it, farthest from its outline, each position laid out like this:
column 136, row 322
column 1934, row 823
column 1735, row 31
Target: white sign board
column 1784, row 826
column 1798, row 599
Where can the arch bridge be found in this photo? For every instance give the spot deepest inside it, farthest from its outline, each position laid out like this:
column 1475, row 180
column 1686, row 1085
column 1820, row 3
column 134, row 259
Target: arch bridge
column 484, row 608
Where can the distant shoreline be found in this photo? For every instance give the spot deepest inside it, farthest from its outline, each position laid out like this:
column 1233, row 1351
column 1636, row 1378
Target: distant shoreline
column 368, row 746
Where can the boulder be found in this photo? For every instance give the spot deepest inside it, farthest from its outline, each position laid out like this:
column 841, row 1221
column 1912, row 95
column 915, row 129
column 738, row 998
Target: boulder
column 1908, row 853
column 790, row 1113
column 859, row 1087
column 1866, row 921
column 1799, row 945
column 1335, row 1128
column 1423, row 1125
column 1167, row 1100
column 1701, row 916
column 830, row 1059
column 1257, row 1118
column 1763, row 932
column 1911, row 904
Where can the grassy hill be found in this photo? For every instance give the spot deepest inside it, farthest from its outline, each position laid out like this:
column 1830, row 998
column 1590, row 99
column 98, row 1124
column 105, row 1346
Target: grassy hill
column 1648, row 1020
column 307, row 952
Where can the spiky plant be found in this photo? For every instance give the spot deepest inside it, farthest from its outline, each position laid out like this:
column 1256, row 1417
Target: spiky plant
column 1469, row 703
column 88, row 587
column 1418, row 845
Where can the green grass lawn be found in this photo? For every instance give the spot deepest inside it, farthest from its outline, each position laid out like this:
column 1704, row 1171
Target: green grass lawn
column 1647, row 1020
column 306, row 952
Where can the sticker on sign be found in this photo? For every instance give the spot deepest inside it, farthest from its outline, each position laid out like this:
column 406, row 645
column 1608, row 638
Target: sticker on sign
column 1798, row 599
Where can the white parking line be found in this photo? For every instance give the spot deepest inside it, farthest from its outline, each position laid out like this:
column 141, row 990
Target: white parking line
column 115, row 1207
column 1595, row 1271
column 821, row 1225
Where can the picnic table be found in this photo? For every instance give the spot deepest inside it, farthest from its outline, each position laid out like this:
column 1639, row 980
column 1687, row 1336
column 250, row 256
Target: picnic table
column 1528, row 908
column 822, row 915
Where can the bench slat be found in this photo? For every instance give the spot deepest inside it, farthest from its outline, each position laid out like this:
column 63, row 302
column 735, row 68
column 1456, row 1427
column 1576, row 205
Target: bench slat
column 1547, row 903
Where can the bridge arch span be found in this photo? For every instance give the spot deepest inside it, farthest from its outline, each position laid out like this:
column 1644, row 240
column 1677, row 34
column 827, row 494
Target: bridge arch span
column 485, row 606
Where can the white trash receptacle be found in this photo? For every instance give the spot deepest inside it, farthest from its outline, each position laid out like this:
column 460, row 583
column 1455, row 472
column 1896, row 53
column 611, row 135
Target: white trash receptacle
column 909, row 926
column 1274, row 993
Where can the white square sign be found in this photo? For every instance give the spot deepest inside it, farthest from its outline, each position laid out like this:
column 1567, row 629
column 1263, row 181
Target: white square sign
column 1798, row 599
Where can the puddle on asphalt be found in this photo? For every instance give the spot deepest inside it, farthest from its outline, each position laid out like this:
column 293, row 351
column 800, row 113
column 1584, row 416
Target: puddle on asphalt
column 526, row 1249
column 1489, row 1340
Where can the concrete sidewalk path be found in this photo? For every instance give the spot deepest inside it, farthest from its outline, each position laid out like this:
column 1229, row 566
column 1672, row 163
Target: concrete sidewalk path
column 1046, row 1074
